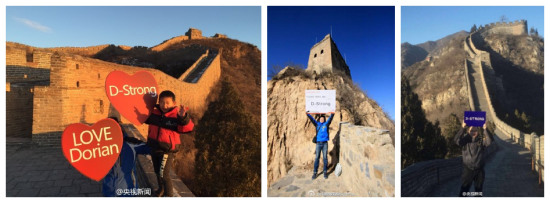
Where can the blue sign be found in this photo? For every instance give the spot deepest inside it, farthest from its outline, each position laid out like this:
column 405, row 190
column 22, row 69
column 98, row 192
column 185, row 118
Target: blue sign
column 474, row 118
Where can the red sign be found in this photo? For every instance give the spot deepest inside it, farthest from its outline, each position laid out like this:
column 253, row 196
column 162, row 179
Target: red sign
column 92, row 150
column 133, row 96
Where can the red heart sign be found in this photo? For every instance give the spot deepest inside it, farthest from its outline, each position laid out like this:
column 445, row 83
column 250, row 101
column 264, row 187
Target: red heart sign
column 133, row 96
column 92, row 150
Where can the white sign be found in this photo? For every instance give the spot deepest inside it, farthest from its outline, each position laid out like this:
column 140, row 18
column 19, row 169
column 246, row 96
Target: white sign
column 321, row 101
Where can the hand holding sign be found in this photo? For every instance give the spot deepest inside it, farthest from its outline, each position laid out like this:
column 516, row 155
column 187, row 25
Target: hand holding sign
column 474, row 118
column 320, row 101
column 133, row 96
column 92, row 150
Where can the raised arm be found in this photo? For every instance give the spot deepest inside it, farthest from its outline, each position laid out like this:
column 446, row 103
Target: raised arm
column 330, row 118
column 185, row 124
column 459, row 138
column 311, row 119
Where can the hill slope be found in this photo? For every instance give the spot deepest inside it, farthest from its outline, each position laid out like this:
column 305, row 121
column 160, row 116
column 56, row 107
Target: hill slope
column 289, row 130
column 439, row 82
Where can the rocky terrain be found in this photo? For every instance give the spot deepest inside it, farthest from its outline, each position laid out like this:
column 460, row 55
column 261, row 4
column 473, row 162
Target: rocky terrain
column 523, row 51
column 518, row 61
column 410, row 54
column 441, row 97
column 289, row 130
column 439, row 80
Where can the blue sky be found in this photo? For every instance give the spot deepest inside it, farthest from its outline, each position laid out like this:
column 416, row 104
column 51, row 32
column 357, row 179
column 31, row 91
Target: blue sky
column 365, row 35
column 420, row 24
column 132, row 26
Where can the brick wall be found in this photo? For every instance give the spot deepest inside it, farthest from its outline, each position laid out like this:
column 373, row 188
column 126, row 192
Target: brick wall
column 325, row 57
column 63, row 89
column 367, row 160
column 194, row 33
column 19, row 100
column 75, row 92
column 16, row 57
column 170, row 42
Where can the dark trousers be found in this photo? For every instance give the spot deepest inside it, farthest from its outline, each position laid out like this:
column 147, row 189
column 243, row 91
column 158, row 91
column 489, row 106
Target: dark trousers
column 163, row 163
column 477, row 176
column 321, row 147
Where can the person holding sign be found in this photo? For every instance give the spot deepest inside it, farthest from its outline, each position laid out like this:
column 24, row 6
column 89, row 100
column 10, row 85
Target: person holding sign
column 321, row 138
column 121, row 179
column 473, row 147
column 166, row 122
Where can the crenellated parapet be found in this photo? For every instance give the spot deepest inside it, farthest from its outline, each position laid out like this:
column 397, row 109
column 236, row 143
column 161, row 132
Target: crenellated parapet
column 480, row 62
column 67, row 88
column 518, row 27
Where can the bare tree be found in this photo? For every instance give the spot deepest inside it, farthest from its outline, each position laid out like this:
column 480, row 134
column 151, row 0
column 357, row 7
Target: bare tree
column 503, row 18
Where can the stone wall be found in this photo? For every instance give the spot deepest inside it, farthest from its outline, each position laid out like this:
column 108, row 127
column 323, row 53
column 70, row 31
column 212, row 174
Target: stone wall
column 193, row 33
column 218, row 35
column 467, row 76
column 367, row 160
column 19, row 107
column 538, row 155
column 513, row 28
column 170, row 42
column 75, row 93
column 483, row 61
column 16, row 57
column 419, row 179
column 20, row 82
column 325, row 57
column 83, row 51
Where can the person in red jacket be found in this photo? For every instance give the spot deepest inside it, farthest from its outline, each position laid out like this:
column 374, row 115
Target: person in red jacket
column 166, row 122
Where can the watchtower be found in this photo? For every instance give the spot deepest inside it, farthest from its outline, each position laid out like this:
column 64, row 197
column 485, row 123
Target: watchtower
column 325, row 57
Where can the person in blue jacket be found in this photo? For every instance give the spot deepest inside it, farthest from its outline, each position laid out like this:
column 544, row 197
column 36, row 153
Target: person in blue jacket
column 322, row 135
column 122, row 178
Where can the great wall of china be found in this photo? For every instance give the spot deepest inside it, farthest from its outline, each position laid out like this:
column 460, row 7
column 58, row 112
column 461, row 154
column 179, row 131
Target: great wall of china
column 48, row 89
column 366, row 156
column 422, row 178
column 64, row 88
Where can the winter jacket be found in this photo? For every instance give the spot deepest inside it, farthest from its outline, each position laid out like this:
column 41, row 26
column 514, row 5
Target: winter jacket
column 123, row 175
column 472, row 149
column 165, row 128
column 322, row 128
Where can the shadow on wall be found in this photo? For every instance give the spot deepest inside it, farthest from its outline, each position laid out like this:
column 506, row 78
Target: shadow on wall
column 23, row 74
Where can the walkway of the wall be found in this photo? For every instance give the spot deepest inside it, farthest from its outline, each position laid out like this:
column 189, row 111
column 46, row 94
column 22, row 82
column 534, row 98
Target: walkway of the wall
column 421, row 178
column 530, row 141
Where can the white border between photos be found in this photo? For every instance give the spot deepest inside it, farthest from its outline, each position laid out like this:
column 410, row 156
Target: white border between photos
column 264, row 4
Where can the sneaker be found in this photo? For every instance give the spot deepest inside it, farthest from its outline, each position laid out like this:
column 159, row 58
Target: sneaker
column 326, row 177
column 314, row 176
